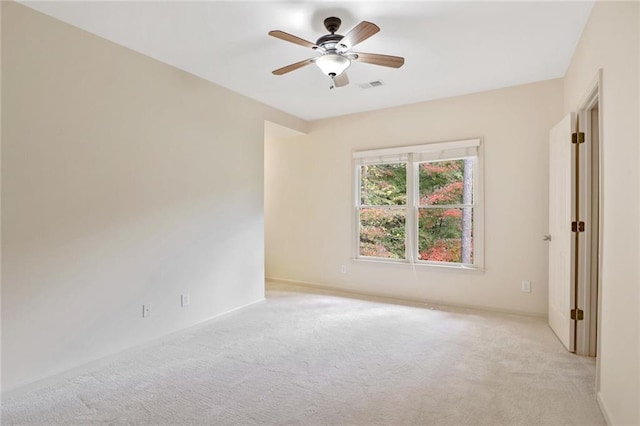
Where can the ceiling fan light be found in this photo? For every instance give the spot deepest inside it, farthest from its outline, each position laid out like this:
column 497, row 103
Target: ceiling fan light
column 332, row 63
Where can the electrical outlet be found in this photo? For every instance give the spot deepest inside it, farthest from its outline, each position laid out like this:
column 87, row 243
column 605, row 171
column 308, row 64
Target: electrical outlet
column 343, row 269
column 185, row 300
column 526, row 286
column 146, row 310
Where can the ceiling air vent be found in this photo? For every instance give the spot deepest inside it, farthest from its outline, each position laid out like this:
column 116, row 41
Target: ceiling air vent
column 371, row 84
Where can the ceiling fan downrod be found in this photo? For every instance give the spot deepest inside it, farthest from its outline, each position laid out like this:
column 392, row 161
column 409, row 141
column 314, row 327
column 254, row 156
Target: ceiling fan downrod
column 332, row 24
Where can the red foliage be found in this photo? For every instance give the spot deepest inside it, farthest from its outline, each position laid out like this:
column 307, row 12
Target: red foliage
column 452, row 213
column 448, row 194
column 440, row 167
column 443, row 251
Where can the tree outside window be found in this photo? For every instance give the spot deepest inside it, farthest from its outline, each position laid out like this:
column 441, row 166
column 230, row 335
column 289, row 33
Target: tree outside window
column 383, row 199
column 445, row 216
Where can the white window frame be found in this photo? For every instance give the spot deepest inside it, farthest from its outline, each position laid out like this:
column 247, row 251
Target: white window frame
column 413, row 156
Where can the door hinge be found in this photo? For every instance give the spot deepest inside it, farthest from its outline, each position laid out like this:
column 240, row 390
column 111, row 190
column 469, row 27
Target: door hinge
column 577, row 226
column 577, row 137
column 577, row 314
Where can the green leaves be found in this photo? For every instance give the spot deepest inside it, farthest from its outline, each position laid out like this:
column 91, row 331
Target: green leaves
column 440, row 230
column 382, row 229
column 445, row 214
column 383, row 184
column 382, row 232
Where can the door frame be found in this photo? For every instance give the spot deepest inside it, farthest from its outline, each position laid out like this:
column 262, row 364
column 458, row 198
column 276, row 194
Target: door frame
column 586, row 285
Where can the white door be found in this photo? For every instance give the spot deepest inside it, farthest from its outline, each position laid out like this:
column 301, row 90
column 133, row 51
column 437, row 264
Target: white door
column 561, row 293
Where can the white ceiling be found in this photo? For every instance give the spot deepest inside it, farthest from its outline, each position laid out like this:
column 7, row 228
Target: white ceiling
column 450, row 48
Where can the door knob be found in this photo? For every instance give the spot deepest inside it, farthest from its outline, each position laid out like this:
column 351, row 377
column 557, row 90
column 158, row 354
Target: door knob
column 547, row 238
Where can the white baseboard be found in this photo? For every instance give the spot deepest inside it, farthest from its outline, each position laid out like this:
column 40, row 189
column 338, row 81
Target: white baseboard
column 603, row 408
column 104, row 360
column 404, row 299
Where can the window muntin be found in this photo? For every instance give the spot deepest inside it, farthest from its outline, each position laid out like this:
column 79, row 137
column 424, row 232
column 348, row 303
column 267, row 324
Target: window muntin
column 441, row 217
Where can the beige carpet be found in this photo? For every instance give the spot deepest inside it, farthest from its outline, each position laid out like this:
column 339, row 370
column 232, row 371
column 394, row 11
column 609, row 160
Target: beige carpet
column 315, row 358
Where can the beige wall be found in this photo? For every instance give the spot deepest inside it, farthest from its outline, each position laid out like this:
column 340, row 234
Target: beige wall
column 0, row 197
column 308, row 199
column 610, row 42
column 125, row 181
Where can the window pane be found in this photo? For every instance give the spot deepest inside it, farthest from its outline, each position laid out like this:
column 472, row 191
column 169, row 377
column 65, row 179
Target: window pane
column 446, row 182
column 383, row 184
column 445, row 235
column 382, row 232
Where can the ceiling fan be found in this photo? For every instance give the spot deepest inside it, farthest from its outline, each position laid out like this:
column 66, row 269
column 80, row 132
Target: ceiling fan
column 335, row 51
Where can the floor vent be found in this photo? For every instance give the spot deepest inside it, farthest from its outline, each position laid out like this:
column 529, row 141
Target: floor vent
column 371, row 84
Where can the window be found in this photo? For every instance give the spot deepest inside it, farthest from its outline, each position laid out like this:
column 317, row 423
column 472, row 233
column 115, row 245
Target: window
column 382, row 210
column 420, row 204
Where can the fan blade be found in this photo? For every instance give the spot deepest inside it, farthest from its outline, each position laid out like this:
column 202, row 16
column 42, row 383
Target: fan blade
column 382, row 60
column 341, row 80
column 292, row 39
column 293, row 67
column 358, row 34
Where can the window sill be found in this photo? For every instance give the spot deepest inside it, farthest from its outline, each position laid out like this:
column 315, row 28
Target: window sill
column 419, row 266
